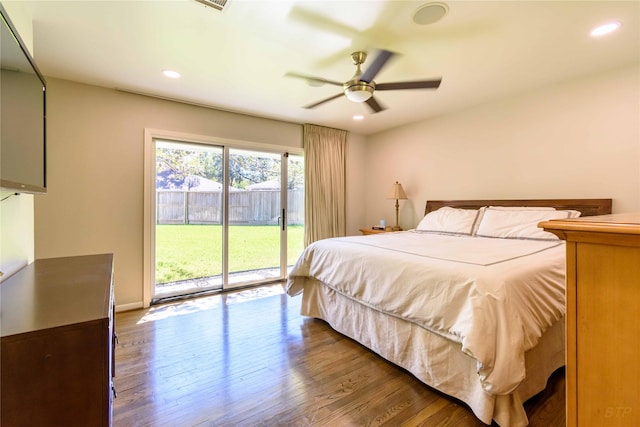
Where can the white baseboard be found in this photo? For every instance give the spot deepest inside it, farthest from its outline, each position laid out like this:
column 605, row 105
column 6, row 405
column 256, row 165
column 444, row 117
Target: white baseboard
column 130, row 306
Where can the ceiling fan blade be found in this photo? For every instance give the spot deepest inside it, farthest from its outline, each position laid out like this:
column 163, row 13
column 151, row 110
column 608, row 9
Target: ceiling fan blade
column 373, row 104
column 422, row 84
column 376, row 65
column 313, row 79
column 324, row 100
column 320, row 22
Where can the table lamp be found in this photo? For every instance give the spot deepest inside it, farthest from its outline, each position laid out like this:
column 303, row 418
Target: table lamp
column 397, row 193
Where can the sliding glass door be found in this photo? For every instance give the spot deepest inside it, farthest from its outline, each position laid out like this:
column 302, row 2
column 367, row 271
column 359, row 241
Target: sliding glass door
column 255, row 216
column 225, row 217
column 189, row 218
column 295, row 208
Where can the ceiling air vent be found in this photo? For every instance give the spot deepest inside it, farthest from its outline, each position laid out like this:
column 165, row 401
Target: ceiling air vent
column 216, row 4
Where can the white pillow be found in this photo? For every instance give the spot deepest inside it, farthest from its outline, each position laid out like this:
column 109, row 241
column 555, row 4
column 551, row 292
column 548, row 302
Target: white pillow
column 523, row 208
column 518, row 224
column 509, row 208
column 572, row 213
column 449, row 220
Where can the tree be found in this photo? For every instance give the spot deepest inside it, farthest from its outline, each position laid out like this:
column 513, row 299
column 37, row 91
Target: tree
column 296, row 172
column 171, row 168
column 247, row 169
column 175, row 166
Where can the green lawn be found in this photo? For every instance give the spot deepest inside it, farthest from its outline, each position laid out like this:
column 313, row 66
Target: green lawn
column 190, row 251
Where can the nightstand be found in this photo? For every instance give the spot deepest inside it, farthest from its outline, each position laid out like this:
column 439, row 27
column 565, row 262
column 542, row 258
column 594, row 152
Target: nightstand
column 367, row 231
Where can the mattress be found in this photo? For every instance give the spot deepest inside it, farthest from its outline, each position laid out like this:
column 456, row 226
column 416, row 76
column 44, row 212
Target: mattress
column 489, row 301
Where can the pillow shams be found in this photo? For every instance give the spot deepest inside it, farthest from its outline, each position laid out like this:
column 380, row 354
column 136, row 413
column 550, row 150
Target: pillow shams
column 449, row 220
column 518, row 224
column 523, row 208
column 572, row 213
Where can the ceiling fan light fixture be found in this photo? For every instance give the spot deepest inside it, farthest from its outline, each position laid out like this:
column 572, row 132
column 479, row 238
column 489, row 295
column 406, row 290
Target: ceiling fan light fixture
column 359, row 92
column 361, row 86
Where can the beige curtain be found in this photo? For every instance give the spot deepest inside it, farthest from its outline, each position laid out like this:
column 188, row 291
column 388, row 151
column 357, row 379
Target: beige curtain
column 325, row 176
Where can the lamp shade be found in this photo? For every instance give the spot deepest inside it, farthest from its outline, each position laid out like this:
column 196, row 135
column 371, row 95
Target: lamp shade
column 397, row 192
column 359, row 92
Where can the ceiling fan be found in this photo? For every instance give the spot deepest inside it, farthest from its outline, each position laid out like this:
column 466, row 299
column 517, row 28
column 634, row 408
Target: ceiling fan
column 361, row 86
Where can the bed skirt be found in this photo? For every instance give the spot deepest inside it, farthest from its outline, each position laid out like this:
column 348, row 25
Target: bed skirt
column 434, row 360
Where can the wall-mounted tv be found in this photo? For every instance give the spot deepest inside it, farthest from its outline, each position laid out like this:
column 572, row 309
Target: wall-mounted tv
column 22, row 115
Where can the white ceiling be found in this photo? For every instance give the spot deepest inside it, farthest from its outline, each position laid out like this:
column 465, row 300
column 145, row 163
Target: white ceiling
column 236, row 59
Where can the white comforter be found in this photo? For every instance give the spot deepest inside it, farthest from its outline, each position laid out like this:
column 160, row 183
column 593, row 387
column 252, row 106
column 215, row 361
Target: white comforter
column 494, row 296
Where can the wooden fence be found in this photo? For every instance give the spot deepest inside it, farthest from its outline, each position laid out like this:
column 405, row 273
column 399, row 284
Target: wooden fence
column 245, row 207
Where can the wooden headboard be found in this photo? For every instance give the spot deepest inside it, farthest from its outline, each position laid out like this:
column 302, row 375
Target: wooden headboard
column 588, row 207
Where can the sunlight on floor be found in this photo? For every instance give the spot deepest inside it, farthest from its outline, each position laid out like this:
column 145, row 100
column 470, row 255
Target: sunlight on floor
column 254, row 293
column 210, row 302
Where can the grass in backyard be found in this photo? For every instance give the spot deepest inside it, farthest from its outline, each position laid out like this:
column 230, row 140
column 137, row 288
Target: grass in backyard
column 191, row 251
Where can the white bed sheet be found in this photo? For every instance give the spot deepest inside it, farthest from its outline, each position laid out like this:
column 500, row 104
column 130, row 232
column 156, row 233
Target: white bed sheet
column 495, row 297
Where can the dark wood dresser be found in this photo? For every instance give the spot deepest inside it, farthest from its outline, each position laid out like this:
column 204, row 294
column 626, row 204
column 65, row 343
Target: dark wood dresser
column 57, row 357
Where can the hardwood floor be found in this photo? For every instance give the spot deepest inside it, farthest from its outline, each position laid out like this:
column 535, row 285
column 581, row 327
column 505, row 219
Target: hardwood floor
column 250, row 359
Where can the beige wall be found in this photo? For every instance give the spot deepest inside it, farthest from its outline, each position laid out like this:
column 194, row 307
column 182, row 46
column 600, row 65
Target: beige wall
column 356, row 183
column 573, row 140
column 16, row 232
column 95, row 170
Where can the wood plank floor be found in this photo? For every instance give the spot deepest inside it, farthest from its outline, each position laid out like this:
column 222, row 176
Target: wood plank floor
column 250, row 359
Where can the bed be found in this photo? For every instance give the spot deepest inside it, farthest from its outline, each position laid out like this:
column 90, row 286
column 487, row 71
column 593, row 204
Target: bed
column 471, row 302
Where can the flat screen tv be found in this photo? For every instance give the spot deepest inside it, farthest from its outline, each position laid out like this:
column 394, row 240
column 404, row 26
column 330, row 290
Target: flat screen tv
column 22, row 116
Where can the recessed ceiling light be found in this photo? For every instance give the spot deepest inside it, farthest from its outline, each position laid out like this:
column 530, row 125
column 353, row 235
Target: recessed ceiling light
column 358, row 117
column 605, row 29
column 171, row 74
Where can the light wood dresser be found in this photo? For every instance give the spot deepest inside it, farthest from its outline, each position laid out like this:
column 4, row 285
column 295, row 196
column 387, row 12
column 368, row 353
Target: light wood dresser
column 57, row 343
column 603, row 319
